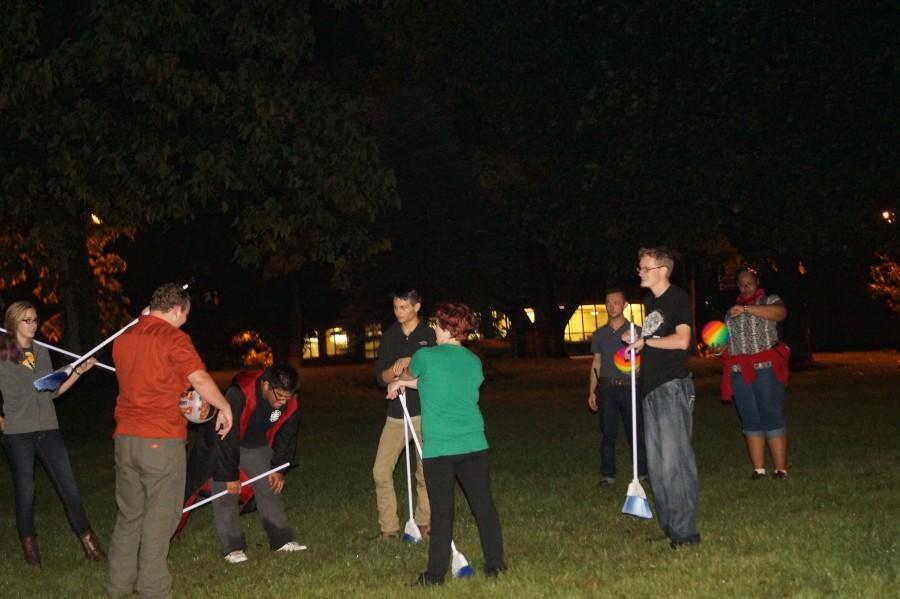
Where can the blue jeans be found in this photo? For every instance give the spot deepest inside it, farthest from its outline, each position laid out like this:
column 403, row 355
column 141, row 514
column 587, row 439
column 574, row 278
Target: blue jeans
column 668, row 425
column 615, row 404
column 48, row 447
column 760, row 404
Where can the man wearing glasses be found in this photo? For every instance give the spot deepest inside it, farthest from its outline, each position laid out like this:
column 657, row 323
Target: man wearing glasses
column 266, row 411
column 668, row 397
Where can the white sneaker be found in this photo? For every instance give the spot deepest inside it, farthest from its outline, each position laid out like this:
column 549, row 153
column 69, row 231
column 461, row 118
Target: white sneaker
column 290, row 547
column 236, row 557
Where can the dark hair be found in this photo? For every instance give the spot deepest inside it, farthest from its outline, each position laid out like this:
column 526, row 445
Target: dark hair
column 282, row 377
column 410, row 295
column 457, row 319
column 168, row 296
column 612, row 290
column 747, row 269
column 9, row 349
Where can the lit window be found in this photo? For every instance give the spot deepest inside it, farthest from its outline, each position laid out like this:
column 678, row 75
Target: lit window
column 337, row 342
column 373, row 340
column 311, row 346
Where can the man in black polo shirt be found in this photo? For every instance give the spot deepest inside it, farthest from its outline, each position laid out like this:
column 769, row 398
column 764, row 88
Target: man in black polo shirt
column 611, row 393
column 398, row 344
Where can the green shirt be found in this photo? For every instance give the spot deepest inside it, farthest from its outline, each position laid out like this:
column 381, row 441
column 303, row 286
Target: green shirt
column 449, row 377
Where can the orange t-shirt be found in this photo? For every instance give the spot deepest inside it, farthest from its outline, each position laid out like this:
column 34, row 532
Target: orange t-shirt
column 153, row 360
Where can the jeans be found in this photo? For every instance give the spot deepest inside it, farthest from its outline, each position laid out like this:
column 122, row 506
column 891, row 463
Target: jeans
column 615, row 403
column 48, row 447
column 668, row 424
column 472, row 472
column 760, row 404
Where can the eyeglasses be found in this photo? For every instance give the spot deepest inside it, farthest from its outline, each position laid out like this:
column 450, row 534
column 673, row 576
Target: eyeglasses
column 643, row 269
column 30, row 321
column 281, row 398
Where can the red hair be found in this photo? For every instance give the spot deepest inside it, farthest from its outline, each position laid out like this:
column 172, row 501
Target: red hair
column 456, row 319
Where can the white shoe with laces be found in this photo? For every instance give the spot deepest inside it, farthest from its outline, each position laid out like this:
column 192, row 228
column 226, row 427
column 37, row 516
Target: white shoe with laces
column 291, row 547
column 236, row 557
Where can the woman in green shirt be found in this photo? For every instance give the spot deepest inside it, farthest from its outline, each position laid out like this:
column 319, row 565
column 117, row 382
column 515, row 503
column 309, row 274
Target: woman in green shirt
column 448, row 377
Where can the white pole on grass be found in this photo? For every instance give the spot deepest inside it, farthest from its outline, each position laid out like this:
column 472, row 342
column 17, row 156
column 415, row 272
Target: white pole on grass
column 636, row 503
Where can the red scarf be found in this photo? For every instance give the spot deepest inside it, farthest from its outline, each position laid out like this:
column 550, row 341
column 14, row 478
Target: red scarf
column 753, row 299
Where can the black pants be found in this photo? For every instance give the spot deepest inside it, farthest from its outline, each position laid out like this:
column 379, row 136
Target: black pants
column 471, row 470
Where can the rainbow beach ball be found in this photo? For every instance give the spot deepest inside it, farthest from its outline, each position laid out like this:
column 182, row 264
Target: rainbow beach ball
column 714, row 334
column 622, row 360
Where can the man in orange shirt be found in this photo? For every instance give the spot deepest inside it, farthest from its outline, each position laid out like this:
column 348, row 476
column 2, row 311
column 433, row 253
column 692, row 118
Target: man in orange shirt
column 155, row 362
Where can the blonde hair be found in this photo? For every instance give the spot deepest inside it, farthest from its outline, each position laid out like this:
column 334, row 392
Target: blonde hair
column 662, row 255
column 14, row 315
column 9, row 347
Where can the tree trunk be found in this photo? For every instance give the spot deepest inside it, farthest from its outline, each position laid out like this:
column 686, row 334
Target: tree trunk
column 78, row 296
column 295, row 326
column 797, row 327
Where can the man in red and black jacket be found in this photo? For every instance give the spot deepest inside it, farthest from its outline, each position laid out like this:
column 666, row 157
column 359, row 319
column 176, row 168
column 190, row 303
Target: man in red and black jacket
column 265, row 407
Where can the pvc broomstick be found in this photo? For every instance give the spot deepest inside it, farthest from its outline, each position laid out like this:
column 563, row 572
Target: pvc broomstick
column 636, row 503
column 64, row 352
column 411, row 533
column 460, row 567
column 249, row 481
column 52, row 381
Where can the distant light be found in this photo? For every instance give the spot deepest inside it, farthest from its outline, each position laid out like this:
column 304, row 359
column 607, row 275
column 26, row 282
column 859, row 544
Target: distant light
column 889, row 216
column 96, row 219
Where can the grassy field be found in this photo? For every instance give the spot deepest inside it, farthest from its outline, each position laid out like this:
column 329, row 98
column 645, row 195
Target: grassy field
column 831, row 530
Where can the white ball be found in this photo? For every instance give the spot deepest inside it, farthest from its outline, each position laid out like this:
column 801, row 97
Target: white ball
column 194, row 407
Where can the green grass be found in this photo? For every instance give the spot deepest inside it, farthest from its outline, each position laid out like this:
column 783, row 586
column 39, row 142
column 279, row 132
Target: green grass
column 831, row 530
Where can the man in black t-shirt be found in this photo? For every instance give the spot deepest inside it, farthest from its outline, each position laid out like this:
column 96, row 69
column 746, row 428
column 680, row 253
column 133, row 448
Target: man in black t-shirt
column 405, row 337
column 668, row 397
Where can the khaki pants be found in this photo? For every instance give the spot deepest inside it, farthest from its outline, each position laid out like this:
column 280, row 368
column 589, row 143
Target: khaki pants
column 390, row 446
column 150, row 477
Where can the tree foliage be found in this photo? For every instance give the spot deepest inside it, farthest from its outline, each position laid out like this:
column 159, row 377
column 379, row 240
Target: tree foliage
column 158, row 112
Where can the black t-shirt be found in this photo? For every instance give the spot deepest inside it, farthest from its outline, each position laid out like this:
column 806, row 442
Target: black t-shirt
column 260, row 421
column 395, row 345
column 663, row 314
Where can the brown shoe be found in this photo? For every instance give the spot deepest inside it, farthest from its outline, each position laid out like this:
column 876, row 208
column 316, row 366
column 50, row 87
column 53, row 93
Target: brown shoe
column 384, row 537
column 91, row 547
column 32, row 551
column 425, row 530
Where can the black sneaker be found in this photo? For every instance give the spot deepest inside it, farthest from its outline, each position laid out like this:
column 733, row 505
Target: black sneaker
column 494, row 572
column 607, row 481
column 757, row 475
column 676, row 545
column 779, row 475
column 426, row 580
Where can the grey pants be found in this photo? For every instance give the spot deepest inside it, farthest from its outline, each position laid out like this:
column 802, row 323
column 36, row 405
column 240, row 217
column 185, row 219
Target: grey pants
column 149, row 494
column 226, row 511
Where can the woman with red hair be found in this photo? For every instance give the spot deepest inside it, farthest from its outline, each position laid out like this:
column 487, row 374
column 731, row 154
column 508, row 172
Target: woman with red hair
column 448, row 377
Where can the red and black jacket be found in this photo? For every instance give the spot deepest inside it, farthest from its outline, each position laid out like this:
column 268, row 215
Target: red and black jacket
column 282, row 435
